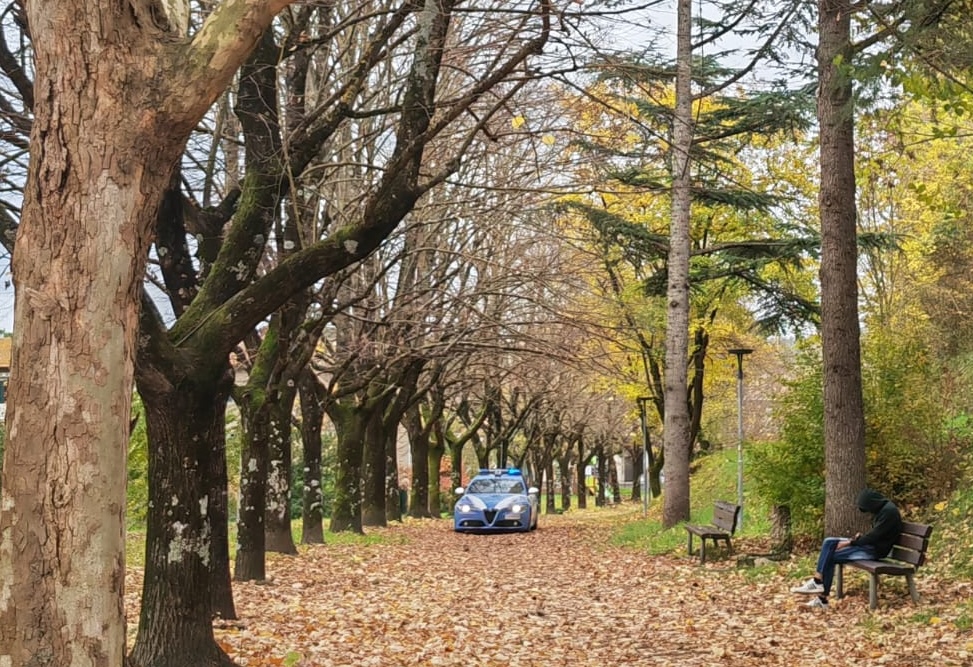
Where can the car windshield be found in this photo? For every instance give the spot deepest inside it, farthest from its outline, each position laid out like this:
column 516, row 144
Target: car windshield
column 496, row 486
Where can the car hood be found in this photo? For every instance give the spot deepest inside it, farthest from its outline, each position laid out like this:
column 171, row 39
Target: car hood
column 493, row 501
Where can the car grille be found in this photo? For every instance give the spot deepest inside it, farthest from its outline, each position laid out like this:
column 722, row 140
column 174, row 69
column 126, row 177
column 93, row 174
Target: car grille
column 489, row 515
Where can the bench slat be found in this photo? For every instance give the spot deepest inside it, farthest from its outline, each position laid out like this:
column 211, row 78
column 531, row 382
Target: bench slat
column 913, row 542
column 883, row 567
column 706, row 531
column 911, row 556
column 918, row 529
column 725, row 515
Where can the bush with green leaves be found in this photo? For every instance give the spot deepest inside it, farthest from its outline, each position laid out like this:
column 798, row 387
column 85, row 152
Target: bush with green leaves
column 915, row 445
column 790, row 471
column 914, row 448
column 137, row 499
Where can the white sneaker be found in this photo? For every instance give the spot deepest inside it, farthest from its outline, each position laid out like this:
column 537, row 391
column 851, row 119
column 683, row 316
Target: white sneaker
column 816, row 603
column 809, row 587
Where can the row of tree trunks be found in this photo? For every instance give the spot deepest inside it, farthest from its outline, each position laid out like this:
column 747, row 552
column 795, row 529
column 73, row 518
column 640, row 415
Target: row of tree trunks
column 79, row 268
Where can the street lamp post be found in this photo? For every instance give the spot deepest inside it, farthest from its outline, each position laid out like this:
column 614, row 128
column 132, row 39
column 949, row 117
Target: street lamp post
column 740, row 353
column 646, row 453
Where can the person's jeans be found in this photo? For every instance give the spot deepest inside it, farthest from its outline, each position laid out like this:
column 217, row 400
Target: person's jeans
column 831, row 555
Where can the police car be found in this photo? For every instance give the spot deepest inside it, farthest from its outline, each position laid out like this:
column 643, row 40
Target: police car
column 497, row 501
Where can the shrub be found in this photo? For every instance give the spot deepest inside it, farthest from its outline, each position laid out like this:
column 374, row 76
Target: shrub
column 137, row 495
column 791, row 471
column 915, row 448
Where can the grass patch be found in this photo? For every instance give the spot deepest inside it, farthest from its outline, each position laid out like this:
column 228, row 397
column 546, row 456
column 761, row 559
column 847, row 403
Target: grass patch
column 925, row 616
column 135, row 548
column 964, row 619
column 648, row 535
column 714, row 477
column 949, row 551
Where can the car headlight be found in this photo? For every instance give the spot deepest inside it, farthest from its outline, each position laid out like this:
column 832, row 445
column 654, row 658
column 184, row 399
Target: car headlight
column 464, row 507
column 517, row 507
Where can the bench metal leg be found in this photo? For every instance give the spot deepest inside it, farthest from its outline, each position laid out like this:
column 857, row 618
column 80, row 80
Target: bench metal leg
column 702, row 552
column 910, row 579
column 689, row 548
column 839, row 582
column 872, row 591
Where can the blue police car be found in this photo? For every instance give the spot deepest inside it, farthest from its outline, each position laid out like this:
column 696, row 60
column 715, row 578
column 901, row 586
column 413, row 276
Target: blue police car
column 495, row 501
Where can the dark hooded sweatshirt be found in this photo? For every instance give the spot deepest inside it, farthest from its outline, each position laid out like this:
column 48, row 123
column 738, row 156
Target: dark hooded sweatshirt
column 886, row 522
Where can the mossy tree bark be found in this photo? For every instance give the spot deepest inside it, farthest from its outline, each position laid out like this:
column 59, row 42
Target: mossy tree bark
column 312, row 399
column 186, row 578
column 117, row 90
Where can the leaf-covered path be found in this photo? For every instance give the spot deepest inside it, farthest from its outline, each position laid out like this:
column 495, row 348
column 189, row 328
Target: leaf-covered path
column 562, row 596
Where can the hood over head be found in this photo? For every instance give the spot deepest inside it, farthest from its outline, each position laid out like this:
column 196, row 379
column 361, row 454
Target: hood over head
column 871, row 501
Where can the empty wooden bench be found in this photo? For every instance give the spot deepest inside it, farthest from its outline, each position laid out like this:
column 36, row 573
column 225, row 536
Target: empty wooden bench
column 907, row 555
column 725, row 516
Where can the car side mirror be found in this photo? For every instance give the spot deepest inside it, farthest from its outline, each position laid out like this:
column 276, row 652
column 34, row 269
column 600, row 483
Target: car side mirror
column 533, row 489
column 460, row 490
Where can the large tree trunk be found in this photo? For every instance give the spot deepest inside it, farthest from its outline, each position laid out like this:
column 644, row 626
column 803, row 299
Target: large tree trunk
column 844, row 421
column 373, row 485
column 62, row 555
column 676, row 429
column 94, row 184
column 419, row 448
column 437, row 450
column 582, row 482
column 250, row 563
column 312, row 414
column 158, row 369
column 186, row 427
column 112, row 112
column 393, row 505
column 266, row 404
column 277, row 516
column 349, row 423
column 781, row 536
column 700, row 350
column 564, row 466
column 549, row 489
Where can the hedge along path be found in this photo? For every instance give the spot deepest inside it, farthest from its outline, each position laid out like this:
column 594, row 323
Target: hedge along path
column 562, row 596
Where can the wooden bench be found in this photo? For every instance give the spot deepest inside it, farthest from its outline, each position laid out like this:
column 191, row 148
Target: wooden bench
column 725, row 517
column 907, row 555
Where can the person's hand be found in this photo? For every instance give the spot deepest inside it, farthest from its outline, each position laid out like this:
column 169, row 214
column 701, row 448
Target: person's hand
column 843, row 543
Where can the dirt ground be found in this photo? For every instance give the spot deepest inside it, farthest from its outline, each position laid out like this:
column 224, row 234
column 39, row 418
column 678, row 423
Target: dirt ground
column 562, row 596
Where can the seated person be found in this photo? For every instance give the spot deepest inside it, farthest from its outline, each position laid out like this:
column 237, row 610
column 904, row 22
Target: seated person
column 873, row 545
